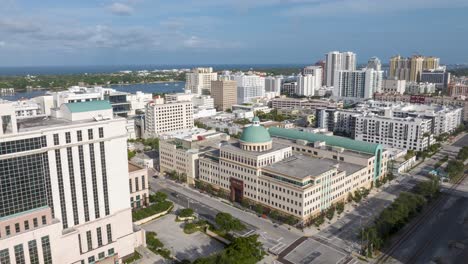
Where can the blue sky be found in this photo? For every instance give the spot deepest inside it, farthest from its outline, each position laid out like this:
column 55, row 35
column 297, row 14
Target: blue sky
column 107, row 32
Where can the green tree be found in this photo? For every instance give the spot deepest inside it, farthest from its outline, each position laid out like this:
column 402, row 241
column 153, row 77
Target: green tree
column 158, row 197
column 186, row 212
column 330, row 213
column 227, row 223
column 130, row 154
column 339, row 208
column 350, row 197
column 463, row 154
column 319, row 220
column 357, row 196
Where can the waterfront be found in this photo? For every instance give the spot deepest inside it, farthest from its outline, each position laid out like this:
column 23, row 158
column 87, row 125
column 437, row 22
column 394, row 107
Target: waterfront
column 160, row 87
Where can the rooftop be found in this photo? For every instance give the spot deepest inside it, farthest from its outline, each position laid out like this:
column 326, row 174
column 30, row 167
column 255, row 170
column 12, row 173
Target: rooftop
column 133, row 167
column 235, row 146
column 301, row 166
column 88, row 106
column 336, row 141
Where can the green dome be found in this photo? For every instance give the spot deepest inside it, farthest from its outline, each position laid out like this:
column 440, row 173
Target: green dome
column 255, row 134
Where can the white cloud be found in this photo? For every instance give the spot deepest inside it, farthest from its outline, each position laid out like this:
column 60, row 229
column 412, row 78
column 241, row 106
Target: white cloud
column 121, row 9
column 17, row 25
column 340, row 7
column 2, row 43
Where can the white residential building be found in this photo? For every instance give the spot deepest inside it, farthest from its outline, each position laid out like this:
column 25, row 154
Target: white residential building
column 394, row 86
column 273, row 84
column 198, row 81
column 361, row 84
column 403, row 133
column 67, row 200
column 249, row 87
column 420, row 88
column 338, row 61
column 317, row 72
column 163, row 117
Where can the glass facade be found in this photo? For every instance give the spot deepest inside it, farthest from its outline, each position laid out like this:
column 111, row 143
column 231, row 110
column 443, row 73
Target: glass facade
column 22, row 145
column 23, row 184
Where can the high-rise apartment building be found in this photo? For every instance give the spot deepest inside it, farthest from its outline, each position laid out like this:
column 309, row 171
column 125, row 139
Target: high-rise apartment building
column 164, row 117
column 64, row 192
column 199, row 80
column 338, row 61
column 323, row 65
column 224, row 93
column 374, row 63
column 273, row 84
column 306, row 85
column 357, row 84
column 410, row 69
column 249, row 86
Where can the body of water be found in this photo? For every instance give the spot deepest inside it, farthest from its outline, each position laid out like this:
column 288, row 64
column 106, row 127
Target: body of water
column 164, row 87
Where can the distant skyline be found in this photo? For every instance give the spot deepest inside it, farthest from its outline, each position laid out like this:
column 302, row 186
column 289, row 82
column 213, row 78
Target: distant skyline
column 134, row 32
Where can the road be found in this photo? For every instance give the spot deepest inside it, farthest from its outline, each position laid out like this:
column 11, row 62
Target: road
column 340, row 237
column 274, row 238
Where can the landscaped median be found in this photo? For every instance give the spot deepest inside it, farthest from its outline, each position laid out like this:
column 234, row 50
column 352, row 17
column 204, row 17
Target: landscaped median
column 159, row 207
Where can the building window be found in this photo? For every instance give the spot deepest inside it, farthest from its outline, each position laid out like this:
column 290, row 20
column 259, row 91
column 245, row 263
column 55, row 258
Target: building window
column 143, row 184
column 67, row 137
column 110, row 252
column 130, row 185
column 84, row 189
column 71, row 173
column 90, row 134
column 91, row 260
column 89, row 240
column 26, row 225
column 104, row 177
column 4, row 256
column 44, row 220
column 7, row 230
column 19, row 254
column 101, row 132
column 33, row 254
column 101, row 255
column 137, row 186
column 35, row 223
column 63, row 208
column 17, row 228
column 46, row 250
column 109, row 233
column 56, row 140
column 94, row 180
column 99, row 236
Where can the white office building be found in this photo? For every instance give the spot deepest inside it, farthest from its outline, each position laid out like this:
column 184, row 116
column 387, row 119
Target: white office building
column 164, row 117
column 198, row 81
column 338, row 61
column 67, row 197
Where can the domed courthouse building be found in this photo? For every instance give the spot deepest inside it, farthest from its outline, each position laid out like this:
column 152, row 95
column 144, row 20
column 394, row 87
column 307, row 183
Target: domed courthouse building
column 297, row 173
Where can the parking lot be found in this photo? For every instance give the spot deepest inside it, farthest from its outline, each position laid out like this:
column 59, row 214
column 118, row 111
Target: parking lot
column 182, row 245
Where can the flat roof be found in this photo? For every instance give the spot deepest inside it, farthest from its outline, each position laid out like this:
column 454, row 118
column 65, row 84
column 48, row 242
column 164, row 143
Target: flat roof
column 34, row 123
column 301, row 166
column 133, row 167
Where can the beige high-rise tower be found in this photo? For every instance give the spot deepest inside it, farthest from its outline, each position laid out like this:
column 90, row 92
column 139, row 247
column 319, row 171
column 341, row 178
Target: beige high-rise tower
column 224, row 93
column 410, row 69
column 416, row 63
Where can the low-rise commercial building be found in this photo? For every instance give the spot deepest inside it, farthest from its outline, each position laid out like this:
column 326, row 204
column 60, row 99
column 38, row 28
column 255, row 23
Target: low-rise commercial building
column 274, row 174
column 138, row 185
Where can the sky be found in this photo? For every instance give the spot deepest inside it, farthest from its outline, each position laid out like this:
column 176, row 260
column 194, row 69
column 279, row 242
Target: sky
column 127, row 32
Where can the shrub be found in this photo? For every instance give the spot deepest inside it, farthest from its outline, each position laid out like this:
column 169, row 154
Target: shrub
column 151, row 210
column 186, row 212
column 228, row 223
